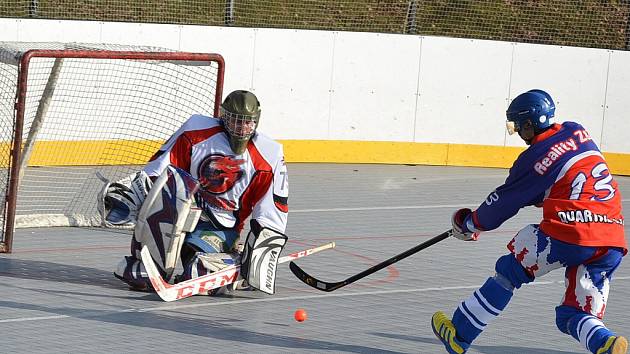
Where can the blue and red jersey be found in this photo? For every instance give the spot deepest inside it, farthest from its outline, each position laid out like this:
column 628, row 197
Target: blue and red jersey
column 564, row 171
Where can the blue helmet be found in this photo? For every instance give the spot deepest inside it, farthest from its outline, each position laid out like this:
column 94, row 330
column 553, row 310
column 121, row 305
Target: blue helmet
column 535, row 106
column 544, row 93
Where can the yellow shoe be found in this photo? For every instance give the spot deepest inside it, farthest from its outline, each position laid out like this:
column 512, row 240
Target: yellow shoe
column 445, row 331
column 614, row 345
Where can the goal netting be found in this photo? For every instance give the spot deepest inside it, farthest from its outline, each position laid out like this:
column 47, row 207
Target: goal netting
column 582, row 23
column 73, row 114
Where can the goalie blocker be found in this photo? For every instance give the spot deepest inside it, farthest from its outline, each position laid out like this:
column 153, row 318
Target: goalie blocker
column 260, row 257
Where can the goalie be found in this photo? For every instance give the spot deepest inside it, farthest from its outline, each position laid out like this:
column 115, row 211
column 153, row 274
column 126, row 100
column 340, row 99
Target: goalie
column 193, row 197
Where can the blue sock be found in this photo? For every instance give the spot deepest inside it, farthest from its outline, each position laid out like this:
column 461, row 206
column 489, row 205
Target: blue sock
column 589, row 331
column 473, row 315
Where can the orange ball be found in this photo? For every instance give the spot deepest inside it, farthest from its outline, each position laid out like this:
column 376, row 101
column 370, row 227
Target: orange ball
column 300, row 315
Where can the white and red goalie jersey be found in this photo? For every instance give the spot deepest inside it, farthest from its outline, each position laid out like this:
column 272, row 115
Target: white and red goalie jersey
column 233, row 186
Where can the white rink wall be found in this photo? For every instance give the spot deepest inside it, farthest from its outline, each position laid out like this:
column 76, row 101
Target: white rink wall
column 326, row 85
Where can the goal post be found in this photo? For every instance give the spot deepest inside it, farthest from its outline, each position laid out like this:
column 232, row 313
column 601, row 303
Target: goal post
column 72, row 114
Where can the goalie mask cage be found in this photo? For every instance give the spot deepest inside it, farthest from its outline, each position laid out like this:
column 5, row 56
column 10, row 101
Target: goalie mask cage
column 75, row 114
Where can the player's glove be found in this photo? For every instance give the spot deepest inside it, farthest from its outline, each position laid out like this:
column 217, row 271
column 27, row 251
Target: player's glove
column 460, row 221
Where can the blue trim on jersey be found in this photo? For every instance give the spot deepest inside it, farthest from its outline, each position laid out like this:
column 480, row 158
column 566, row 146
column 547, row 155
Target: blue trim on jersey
column 528, row 179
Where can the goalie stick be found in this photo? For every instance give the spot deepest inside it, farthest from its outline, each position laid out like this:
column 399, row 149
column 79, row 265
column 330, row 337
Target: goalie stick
column 206, row 282
column 332, row 286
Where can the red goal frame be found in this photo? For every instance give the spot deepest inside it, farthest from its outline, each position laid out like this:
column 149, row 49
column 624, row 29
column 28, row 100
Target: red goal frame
column 6, row 242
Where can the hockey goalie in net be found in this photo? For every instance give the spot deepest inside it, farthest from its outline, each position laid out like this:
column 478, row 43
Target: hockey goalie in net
column 192, row 199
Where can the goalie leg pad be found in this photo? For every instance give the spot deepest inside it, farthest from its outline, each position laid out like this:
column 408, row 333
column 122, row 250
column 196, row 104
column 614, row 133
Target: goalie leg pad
column 131, row 271
column 260, row 257
column 166, row 215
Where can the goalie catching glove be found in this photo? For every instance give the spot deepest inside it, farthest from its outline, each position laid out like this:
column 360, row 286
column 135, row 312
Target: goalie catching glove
column 119, row 202
column 259, row 260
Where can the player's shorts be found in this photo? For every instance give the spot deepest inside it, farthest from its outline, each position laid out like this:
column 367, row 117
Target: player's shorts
column 588, row 270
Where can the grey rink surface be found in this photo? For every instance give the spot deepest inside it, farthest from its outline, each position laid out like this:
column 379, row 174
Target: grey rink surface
column 58, row 295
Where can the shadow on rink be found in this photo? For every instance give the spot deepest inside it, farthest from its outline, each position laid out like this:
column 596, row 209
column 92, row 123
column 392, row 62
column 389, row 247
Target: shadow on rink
column 222, row 329
column 485, row 349
column 57, row 272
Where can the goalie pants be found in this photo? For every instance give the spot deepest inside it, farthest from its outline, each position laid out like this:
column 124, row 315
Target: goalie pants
column 206, row 239
column 588, row 273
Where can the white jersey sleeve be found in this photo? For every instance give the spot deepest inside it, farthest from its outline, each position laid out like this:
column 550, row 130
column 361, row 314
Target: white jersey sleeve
column 177, row 149
column 272, row 209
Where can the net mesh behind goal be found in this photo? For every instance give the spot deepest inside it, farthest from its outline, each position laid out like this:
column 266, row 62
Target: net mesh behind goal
column 582, row 23
column 89, row 112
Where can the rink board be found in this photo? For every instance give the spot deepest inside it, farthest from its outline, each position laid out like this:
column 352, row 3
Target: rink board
column 58, row 295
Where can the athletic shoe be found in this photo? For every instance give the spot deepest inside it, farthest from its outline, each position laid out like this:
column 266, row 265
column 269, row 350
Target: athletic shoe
column 445, row 331
column 614, row 345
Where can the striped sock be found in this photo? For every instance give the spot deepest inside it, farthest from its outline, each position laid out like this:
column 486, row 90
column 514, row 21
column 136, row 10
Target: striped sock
column 475, row 313
column 589, row 331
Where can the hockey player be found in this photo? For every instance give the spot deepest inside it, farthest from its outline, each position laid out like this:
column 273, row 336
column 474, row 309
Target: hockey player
column 236, row 173
column 582, row 230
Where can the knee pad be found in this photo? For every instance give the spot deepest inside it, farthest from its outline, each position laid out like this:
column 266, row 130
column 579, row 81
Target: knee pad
column 564, row 314
column 510, row 269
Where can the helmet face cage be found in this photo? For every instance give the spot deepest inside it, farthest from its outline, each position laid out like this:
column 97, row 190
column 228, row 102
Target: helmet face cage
column 512, row 126
column 239, row 126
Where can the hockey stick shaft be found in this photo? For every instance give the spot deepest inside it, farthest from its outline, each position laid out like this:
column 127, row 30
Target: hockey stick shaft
column 332, row 286
column 206, row 282
column 306, row 252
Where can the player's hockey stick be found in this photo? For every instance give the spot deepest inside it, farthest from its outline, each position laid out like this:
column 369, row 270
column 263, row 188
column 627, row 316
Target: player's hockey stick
column 207, row 282
column 332, row 286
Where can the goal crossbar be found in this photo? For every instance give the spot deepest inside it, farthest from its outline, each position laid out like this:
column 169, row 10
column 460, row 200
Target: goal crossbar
column 140, row 96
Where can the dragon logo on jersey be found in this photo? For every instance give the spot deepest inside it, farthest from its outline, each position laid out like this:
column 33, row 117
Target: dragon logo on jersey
column 219, row 173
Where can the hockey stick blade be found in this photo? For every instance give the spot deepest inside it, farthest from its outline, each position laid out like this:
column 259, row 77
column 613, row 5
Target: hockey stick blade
column 171, row 292
column 332, row 286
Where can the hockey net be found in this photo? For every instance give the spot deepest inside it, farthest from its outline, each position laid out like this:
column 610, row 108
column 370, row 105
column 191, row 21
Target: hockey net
column 582, row 23
column 74, row 114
